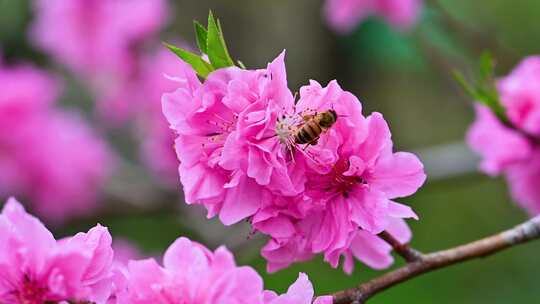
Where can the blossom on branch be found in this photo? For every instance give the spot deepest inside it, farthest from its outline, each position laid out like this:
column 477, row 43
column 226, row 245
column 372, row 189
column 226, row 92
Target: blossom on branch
column 352, row 177
column 512, row 149
column 237, row 142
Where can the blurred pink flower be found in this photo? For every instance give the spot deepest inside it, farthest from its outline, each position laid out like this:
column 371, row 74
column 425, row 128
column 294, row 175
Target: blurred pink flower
column 490, row 138
column 191, row 274
column 157, row 147
column 102, row 42
column 124, row 251
column 344, row 15
column 300, row 292
column 25, row 93
column 520, row 95
column 35, row 268
column 95, row 37
column 50, row 156
column 524, row 178
column 520, row 165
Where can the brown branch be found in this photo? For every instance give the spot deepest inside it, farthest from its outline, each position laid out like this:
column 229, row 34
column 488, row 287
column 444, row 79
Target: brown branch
column 523, row 233
column 404, row 250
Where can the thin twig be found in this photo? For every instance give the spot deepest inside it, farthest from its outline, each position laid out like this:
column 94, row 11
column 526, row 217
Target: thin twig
column 523, row 233
column 404, row 250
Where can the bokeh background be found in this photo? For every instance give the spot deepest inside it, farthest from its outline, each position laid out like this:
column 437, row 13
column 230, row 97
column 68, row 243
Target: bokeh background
column 406, row 76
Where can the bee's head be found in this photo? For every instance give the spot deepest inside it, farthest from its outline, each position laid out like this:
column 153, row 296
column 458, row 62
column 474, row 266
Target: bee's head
column 328, row 118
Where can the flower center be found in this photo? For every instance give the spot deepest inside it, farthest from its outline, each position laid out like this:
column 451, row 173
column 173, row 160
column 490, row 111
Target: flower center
column 223, row 127
column 337, row 182
column 286, row 126
column 30, row 292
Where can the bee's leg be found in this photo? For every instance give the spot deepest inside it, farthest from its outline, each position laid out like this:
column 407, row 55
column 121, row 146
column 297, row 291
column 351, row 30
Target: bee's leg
column 292, row 155
column 290, row 147
column 314, row 142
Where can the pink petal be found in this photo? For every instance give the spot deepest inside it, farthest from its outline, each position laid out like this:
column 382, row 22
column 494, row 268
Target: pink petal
column 183, row 256
column 371, row 250
column 369, row 209
column 377, row 140
column 241, row 201
column 398, row 175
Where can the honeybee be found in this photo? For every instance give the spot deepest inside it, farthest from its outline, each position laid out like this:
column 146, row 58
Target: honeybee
column 313, row 126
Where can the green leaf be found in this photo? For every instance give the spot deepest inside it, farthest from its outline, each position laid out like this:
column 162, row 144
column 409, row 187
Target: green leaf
column 483, row 92
column 201, row 34
column 460, row 79
column 215, row 45
column 200, row 66
column 487, row 66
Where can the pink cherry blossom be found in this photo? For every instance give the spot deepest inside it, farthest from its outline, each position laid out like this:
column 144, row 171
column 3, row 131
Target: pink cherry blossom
column 520, row 165
column 520, row 95
column 344, row 15
column 239, row 159
column 266, row 161
column 490, row 138
column 124, row 251
column 95, row 37
column 191, row 274
column 69, row 169
column 301, row 292
column 207, row 118
column 50, row 156
column 157, row 147
column 523, row 178
column 354, row 175
column 102, row 42
column 25, row 92
column 35, row 268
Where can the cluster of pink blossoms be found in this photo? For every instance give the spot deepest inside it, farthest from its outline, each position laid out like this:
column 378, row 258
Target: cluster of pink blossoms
column 514, row 151
column 50, row 156
column 234, row 134
column 36, row 268
column 344, row 15
column 113, row 47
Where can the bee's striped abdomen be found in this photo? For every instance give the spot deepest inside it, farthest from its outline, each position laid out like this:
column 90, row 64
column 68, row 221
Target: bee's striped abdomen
column 308, row 133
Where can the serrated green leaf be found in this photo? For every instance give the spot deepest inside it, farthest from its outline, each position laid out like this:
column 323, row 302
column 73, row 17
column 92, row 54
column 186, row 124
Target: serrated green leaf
column 201, row 67
column 215, row 45
column 201, row 34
